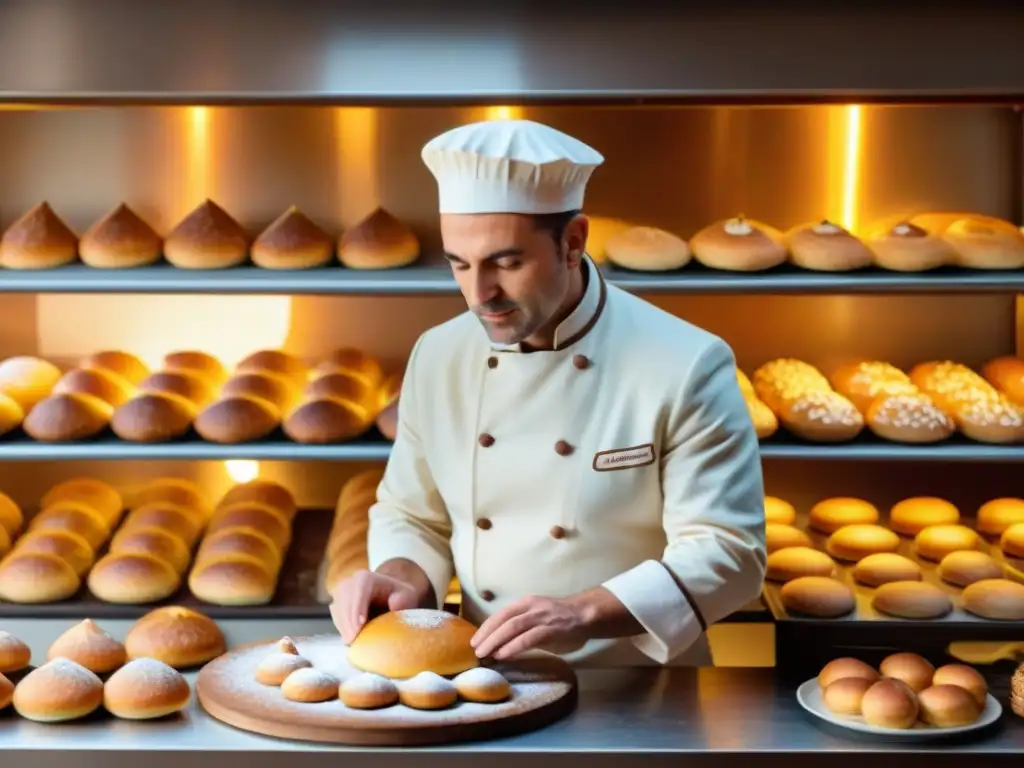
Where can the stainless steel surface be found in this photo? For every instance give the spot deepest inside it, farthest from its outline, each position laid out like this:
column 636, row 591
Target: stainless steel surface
column 344, row 50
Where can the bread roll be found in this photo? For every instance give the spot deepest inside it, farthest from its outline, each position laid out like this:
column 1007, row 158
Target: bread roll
column 235, row 420
column 855, row 542
column 829, row 515
column 995, row 516
column 310, row 685
column 968, row 566
column 277, row 390
column 822, row 416
column 233, row 580
column 292, row 241
column 402, row 644
column 844, row 696
column 911, row 600
column 199, row 363
column 87, row 644
column 256, row 515
column 183, row 522
column 120, row 240
column 68, row 546
column 889, row 704
column 15, row 655
column 739, row 245
column 913, row 419
column 155, row 542
column 207, row 238
column 354, row 362
column 275, row 361
column 914, row 671
column 124, row 364
column 240, row 541
column 998, row 599
column 794, row 562
column 174, row 490
column 179, row 637
column 1012, row 541
column 58, row 691
column 826, row 247
column 647, row 249
column 948, row 706
column 145, row 689
column 779, row 382
column 33, row 578
column 132, row 579
column 884, row 568
column 983, row 242
column 154, row 417
column 911, row 516
column 963, row 676
column 779, row 511
column 96, row 494
column 11, row 517
column 39, row 239
column 427, row 690
column 907, row 247
column 75, row 517
column 341, row 385
column 979, row 410
column 864, row 381
column 766, row 423
column 380, row 241
column 265, row 492
column 63, row 418
column 845, row 668
column 817, row 596
column 107, row 386
column 1007, row 375
column 778, row 536
column 191, row 386
column 937, row 541
column 27, row 380
column 326, row 421
column 368, row 691
column 11, row 415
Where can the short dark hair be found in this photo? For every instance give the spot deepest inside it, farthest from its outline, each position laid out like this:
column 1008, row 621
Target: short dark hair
column 554, row 223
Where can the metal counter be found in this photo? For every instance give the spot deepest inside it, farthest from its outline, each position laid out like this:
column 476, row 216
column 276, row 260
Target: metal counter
column 657, row 716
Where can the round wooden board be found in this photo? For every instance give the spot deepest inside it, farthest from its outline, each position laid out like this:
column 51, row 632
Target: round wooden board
column 543, row 691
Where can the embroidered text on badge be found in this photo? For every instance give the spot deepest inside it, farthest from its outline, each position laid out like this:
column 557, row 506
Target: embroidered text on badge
column 624, row 458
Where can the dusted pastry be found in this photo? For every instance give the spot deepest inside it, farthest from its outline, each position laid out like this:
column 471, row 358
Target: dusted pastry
column 145, row 689
column 207, row 238
column 402, row 644
column 120, row 240
column 38, row 240
column 292, row 241
column 58, row 691
column 380, row 241
column 327, row 420
column 86, row 644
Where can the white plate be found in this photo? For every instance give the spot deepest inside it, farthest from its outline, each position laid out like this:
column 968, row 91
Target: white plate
column 809, row 696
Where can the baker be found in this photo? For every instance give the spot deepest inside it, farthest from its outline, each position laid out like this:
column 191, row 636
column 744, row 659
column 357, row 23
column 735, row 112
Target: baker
column 583, row 461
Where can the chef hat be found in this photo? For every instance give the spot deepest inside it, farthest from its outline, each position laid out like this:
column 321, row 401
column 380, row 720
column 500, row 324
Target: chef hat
column 509, row 166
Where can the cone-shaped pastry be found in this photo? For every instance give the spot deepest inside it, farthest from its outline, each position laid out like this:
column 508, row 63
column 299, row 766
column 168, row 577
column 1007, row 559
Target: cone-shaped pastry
column 292, row 242
column 380, row 241
column 120, row 240
column 208, row 238
column 38, row 240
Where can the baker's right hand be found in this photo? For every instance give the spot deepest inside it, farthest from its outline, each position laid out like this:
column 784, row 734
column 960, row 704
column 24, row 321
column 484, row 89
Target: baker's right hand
column 354, row 598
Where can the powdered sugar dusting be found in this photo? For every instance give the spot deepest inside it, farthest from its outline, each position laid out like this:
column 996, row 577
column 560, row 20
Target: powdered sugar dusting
column 149, row 673
column 67, row 672
column 482, row 677
column 424, row 618
column 279, row 665
column 308, row 677
column 427, row 682
column 369, row 683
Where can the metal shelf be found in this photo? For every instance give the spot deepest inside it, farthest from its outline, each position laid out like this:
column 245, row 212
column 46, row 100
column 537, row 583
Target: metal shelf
column 433, row 279
column 20, row 448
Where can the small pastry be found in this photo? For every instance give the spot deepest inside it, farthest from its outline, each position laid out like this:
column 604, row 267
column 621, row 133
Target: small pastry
column 107, row 386
column 368, row 691
column 275, row 668
column 58, row 691
column 885, row 567
column 88, row 645
column 963, row 676
column 911, row 516
column 778, row 536
column 66, row 545
column 14, row 654
column 911, row 600
column 779, row 511
column 739, row 245
column 983, row 242
column 890, row 704
column 996, row 599
column 199, row 363
column 907, row 247
column 948, row 706
column 207, row 238
column 964, row 567
column 380, row 241
column 145, row 689
column 310, row 685
column 263, row 492
column 844, row 667
column 6, row 692
column 483, row 685
column 647, row 249
column 817, row 596
column 427, row 690
column 793, row 562
column 912, row 670
column 124, row 364
column 32, row 578
column 177, row 636
column 292, row 241
column 826, row 247
column 937, row 541
column 120, row 240
column 132, row 579
column 75, row 517
column 829, row 515
column 909, row 418
column 845, row 696
column 855, row 542
column 38, row 239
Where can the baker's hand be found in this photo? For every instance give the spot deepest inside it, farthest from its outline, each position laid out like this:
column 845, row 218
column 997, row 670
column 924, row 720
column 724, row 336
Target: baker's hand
column 533, row 622
column 353, row 599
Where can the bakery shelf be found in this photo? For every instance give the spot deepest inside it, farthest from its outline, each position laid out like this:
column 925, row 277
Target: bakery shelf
column 434, row 279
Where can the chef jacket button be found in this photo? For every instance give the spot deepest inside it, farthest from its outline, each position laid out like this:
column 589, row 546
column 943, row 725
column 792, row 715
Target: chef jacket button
column 483, row 524
column 487, row 595
column 562, row 448
column 581, row 362
column 486, row 440
column 558, row 532
column 492, row 362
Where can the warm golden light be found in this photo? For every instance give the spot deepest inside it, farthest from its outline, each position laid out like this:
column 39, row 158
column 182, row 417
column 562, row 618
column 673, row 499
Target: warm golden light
column 503, row 113
column 242, row 470
column 197, row 153
column 852, row 153
column 356, row 163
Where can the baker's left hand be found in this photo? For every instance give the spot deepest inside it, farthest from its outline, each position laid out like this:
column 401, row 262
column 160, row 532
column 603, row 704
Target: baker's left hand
column 533, row 622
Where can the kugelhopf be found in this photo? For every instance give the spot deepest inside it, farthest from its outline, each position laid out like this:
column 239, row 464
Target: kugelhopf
column 739, row 245
column 647, row 249
column 58, row 691
column 207, row 238
column 87, row 644
column 120, row 240
column 38, row 239
column 380, row 241
column 826, row 247
column 180, row 637
column 402, row 644
column 145, row 689
column 292, row 241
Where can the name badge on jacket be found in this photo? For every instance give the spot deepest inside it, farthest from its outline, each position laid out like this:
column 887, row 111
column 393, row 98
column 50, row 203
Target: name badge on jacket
column 624, row 458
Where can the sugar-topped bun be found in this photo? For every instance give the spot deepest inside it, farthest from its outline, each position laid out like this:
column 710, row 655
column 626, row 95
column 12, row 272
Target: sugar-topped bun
column 937, row 541
column 909, row 418
column 794, row 562
column 844, row 696
column 401, row 644
column 885, row 567
column 310, row 685
column 964, row 677
column 176, row 636
column 906, row 247
column 997, row 599
column 854, row 542
column 368, row 691
column 39, row 239
column 826, row 247
column 777, row 510
column 967, row 566
column 145, row 689
column 196, row 362
column 890, row 704
column 87, row 644
column 380, row 241
column 107, row 386
column 483, row 685
column 35, row 577
column 238, row 419
column 15, row 655
column 829, row 515
column 817, row 596
column 60, row 418
column 778, row 536
column 739, row 245
column 207, row 238
column 88, row 490
column 427, row 690
column 124, row 364
column 58, row 691
column 911, row 516
column 264, row 492
column 995, row 516
column 275, row 667
column 647, row 249
column 154, row 417
column 292, row 241
column 844, row 667
column 120, row 240
column 132, row 579
column 233, row 580
column 822, row 416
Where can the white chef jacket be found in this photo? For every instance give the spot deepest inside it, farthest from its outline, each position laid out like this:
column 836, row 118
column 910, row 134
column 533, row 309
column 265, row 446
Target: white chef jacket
column 624, row 457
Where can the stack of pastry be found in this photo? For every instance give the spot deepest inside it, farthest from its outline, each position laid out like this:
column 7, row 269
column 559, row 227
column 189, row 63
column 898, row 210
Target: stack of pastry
column 346, row 546
column 765, row 422
column 150, row 552
column 980, row 411
column 341, row 400
column 892, row 405
column 24, row 383
column 805, row 403
column 240, row 558
column 48, row 562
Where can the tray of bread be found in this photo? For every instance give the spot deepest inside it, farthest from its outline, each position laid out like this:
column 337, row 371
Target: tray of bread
column 92, row 550
column 922, row 561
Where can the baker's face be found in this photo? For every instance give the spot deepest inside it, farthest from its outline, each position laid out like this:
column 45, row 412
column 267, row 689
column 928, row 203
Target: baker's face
column 514, row 276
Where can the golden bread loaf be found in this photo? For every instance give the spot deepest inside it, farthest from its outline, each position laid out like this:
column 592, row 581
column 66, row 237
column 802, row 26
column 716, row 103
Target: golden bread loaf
column 292, row 241
column 73, row 517
column 846, row 667
column 68, row 546
column 183, row 522
column 354, row 362
column 61, row 418
column 180, row 637
column 266, row 492
column 914, row 671
column 980, row 411
column 380, row 241
column 275, row 361
column 234, row 579
column 256, row 515
column 120, row 240
column 1007, row 375
column 190, row 385
column 11, row 415
column 173, row 490
column 39, row 239
column 153, row 541
column 36, row 577
column 823, row 246
column 402, row 644
column 200, row 363
column 911, row 516
column 341, row 385
column 132, row 579
column 327, row 420
column 890, row 704
column 95, row 494
column 207, row 238
column 647, row 249
column 154, row 417
column 237, row 419
column 145, row 689
column 273, row 388
column 817, row 596
column 995, row 516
